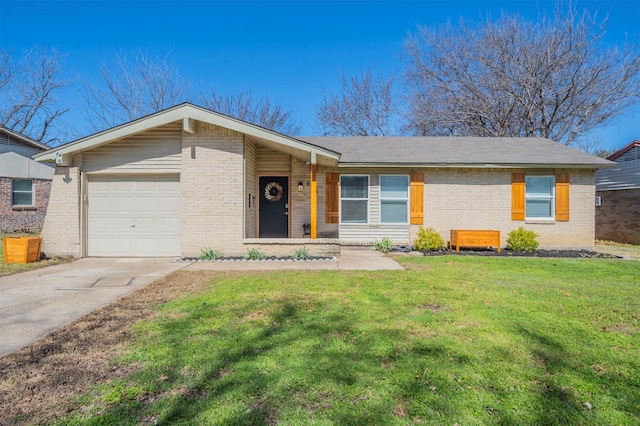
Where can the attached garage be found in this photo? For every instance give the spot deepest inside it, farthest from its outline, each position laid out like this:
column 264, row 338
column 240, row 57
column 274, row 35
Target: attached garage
column 133, row 216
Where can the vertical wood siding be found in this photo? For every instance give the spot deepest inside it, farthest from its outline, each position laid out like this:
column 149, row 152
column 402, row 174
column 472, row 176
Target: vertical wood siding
column 153, row 151
column 562, row 197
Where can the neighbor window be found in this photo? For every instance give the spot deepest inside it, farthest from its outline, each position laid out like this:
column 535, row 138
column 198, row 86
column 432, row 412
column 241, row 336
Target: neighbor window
column 354, row 199
column 394, row 199
column 539, row 197
column 22, row 192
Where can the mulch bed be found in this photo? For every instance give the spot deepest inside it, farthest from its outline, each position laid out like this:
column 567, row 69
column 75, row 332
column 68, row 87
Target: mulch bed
column 267, row 258
column 509, row 253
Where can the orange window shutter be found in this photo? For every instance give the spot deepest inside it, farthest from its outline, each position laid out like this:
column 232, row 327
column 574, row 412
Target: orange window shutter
column 517, row 196
column 332, row 214
column 416, row 199
column 562, row 197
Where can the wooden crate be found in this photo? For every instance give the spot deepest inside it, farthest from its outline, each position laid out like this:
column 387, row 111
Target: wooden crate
column 474, row 238
column 22, row 249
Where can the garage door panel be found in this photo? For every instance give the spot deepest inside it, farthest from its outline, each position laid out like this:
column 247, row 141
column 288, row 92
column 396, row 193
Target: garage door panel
column 133, row 216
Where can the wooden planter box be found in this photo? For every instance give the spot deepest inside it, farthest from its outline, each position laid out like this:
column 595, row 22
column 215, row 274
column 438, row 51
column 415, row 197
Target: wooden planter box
column 22, row 249
column 474, row 238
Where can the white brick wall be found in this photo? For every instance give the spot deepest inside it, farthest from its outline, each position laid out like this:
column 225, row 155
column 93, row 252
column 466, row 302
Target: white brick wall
column 61, row 230
column 212, row 191
column 481, row 199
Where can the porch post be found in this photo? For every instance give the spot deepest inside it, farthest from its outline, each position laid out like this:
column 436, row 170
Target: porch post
column 314, row 203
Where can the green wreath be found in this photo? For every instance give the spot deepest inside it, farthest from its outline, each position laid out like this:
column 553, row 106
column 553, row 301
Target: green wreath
column 273, row 192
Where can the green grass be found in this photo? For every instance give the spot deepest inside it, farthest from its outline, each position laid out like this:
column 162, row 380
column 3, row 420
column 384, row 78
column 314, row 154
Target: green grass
column 453, row 340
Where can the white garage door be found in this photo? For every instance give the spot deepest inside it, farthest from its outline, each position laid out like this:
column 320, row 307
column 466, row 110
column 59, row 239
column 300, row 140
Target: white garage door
column 133, row 216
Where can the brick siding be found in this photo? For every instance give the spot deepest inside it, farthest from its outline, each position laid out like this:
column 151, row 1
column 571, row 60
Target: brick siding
column 23, row 218
column 618, row 218
column 481, row 199
column 61, row 230
column 212, row 191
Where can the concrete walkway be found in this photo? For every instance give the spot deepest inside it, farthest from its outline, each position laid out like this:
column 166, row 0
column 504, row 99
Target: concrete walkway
column 350, row 260
column 35, row 303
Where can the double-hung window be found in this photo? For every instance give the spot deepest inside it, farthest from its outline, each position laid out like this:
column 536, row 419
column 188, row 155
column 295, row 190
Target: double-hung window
column 539, row 197
column 22, row 192
column 354, row 199
column 394, row 199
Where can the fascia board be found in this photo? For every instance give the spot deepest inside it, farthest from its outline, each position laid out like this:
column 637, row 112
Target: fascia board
column 257, row 131
column 24, row 139
column 180, row 113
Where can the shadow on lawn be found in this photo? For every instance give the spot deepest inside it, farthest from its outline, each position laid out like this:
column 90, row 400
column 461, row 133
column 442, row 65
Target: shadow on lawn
column 309, row 356
column 317, row 370
column 566, row 392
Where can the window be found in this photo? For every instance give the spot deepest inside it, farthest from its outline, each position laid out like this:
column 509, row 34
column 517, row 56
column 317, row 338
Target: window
column 354, row 199
column 394, row 199
column 539, row 197
column 22, row 192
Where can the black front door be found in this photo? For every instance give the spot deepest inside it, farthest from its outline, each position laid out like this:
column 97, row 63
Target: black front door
column 273, row 215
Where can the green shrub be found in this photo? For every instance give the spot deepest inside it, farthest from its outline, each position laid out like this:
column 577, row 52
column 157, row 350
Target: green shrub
column 301, row 254
column 522, row 240
column 428, row 240
column 385, row 246
column 208, row 253
column 254, row 254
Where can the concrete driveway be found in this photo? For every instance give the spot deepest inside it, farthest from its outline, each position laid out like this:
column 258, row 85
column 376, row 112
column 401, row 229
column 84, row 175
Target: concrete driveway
column 35, row 303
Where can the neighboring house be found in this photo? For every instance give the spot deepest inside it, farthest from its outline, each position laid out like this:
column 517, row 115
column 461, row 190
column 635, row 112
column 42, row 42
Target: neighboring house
column 618, row 216
column 186, row 178
column 24, row 183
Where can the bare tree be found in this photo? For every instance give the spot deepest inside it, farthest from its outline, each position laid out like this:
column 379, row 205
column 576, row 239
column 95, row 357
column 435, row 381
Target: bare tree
column 259, row 111
column 513, row 77
column 131, row 88
column 366, row 106
column 28, row 89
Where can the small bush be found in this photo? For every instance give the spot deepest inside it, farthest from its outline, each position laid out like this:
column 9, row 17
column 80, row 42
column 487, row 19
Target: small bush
column 385, row 246
column 428, row 240
column 254, row 254
column 208, row 253
column 522, row 240
column 301, row 254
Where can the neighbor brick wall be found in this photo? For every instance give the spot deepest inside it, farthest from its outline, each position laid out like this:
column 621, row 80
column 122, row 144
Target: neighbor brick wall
column 212, row 190
column 23, row 218
column 481, row 199
column 618, row 218
column 61, row 230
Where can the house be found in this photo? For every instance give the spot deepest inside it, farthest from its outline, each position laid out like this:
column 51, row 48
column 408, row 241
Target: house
column 618, row 192
column 24, row 183
column 186, row 178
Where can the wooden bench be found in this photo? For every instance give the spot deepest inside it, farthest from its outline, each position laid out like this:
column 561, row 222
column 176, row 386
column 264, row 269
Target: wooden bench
column 474, row 238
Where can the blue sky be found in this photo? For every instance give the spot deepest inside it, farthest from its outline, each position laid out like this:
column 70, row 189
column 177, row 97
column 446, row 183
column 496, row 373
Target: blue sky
column 289, row 51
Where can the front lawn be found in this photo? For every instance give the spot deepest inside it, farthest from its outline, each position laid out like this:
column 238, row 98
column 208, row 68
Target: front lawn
column 466, row 340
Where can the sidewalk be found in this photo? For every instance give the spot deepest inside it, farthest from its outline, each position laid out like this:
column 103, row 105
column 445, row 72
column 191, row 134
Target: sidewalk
column 349, row 260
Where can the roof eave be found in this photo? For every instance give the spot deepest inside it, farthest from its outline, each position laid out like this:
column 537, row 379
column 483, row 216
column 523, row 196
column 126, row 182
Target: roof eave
column 180, row 112
column 25, row 139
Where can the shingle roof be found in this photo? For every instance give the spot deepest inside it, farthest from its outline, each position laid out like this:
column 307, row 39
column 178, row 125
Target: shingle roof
column 460, row 151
